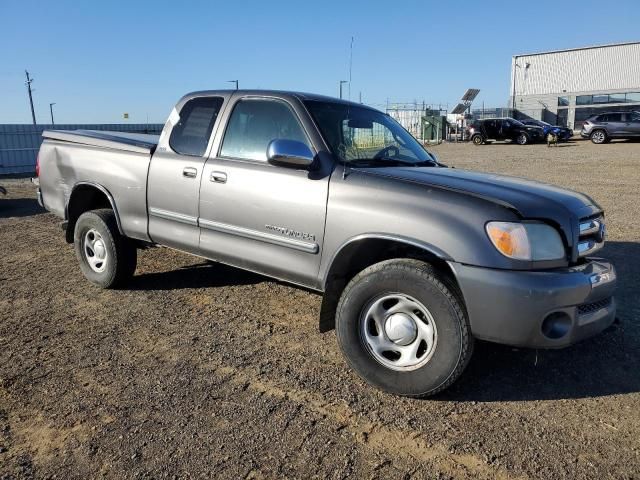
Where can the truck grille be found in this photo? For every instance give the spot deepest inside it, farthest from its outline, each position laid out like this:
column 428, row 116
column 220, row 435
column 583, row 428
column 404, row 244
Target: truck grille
column 593, row 306
column 592, row 231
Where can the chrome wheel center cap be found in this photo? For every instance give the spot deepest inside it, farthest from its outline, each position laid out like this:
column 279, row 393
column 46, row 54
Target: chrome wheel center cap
column 401, row 329
column 99, row 249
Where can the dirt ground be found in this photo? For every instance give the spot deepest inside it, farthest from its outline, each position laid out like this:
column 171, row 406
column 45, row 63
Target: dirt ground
column 198, row 370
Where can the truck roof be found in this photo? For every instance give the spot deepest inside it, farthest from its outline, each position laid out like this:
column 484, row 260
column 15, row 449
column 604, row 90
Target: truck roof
column 277, row 93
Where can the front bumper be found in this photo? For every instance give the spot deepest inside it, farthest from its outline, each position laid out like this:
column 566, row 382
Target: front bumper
column 546, row 309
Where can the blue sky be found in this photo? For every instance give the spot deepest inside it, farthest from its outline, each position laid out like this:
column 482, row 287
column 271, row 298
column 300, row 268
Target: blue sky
column 97, row 60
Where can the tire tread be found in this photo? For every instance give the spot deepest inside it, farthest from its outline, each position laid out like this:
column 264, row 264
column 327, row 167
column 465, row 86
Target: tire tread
column 447, row 288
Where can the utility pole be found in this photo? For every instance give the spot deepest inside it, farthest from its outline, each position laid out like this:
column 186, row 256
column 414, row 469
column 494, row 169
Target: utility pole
column 233, row 81
column 342, row 82
column 51, row 110
column 28, row 84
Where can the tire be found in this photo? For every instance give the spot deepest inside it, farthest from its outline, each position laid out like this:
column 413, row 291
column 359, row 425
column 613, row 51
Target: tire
column 599, row 137
column 477, row 140
column 522, row 139
column 107, row 259
column 434, row 302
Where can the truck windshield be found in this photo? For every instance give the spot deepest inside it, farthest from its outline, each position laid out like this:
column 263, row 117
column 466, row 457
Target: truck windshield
column 361, row 136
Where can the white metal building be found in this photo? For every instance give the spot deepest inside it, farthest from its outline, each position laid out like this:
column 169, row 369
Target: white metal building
column 568, row 86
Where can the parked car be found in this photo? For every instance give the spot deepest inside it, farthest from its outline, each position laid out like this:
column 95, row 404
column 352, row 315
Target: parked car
column 414, row 260
column 563, row 133
column 484, row 131
column 604, row 127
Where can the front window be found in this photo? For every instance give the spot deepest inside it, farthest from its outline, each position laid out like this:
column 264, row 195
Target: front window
column 363, row 136
column 254, row 123
column 512, row 122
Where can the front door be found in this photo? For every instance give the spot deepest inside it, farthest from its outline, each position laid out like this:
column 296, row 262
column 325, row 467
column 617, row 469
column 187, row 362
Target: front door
column 633, row 124
column 256, row 215
column 175, row 173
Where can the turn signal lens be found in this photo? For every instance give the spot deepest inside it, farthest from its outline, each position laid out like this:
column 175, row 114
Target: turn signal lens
column 510, row 239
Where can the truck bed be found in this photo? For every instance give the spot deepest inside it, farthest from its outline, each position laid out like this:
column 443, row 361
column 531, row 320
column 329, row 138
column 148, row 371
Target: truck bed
column 116, row 161
column 129, row 142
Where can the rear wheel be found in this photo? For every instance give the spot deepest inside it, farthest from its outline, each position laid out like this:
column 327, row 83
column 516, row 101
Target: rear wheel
column 598, row 137
column 477, row 139
column 106, row 258
column 522, row 139
column 403, row 329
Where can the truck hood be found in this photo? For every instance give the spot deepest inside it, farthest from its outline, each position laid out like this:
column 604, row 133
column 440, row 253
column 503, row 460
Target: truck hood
column 530, row 199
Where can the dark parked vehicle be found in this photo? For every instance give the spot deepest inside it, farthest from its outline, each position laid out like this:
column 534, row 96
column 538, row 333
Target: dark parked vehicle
column 482, row 131
column 606, row 126
column 563, row 133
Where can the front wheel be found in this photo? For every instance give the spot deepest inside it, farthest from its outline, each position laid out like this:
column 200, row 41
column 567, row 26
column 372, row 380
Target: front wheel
column 477, row 140
column 522, row 139
column 107, row 259
column 403, row 329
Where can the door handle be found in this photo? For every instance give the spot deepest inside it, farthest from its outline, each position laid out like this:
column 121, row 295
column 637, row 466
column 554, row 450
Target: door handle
column 219, row 177
column 189, row 172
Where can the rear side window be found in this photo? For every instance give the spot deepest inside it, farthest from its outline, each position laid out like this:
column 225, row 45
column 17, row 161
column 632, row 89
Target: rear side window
column 612, row 117
column 190, row 136
column 254, row 123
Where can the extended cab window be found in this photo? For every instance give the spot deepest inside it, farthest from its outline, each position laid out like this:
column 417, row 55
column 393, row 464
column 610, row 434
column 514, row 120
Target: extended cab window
column 254, row 124
column 190, row 135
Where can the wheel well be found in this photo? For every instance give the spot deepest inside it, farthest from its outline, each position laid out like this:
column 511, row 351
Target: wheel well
column 84, row 198
column 357, row 256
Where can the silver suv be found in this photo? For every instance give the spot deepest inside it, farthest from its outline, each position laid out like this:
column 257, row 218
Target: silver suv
column 606, row 126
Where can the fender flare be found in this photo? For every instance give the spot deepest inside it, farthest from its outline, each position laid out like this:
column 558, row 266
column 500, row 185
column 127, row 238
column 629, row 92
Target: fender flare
column 427, row 247
column 106, row 194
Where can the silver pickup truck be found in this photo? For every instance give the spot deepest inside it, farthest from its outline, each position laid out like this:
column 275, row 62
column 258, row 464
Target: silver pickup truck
column 415, row 260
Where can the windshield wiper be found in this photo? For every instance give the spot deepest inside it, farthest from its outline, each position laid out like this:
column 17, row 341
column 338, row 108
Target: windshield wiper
column 388, row 162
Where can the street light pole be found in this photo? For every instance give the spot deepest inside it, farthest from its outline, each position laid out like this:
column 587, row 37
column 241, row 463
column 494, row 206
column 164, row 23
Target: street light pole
column 51, row 110
column 342, row 82
column 233, row 81
column 513, row 100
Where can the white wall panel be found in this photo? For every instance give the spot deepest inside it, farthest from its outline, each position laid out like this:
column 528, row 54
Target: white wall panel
column 597, row 69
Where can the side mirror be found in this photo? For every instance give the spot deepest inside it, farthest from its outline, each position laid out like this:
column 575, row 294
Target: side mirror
column 289, row 153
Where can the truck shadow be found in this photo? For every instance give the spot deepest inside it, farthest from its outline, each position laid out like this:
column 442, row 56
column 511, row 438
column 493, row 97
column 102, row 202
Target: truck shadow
column 608, row 364
column 19, row 207
column 202, row 275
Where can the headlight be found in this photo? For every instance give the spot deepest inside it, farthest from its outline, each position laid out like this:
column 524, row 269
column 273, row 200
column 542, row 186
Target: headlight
column 526, row 241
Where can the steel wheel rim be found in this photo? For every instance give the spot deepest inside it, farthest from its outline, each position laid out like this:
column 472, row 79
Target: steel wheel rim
column 391, row 315
column 95, row 250
column 598, row 137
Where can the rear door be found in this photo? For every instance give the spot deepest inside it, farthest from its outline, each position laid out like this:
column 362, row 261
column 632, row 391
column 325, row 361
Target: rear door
column 256, row 215
column 615, row 125
column 176, row 168
column 490, row 129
